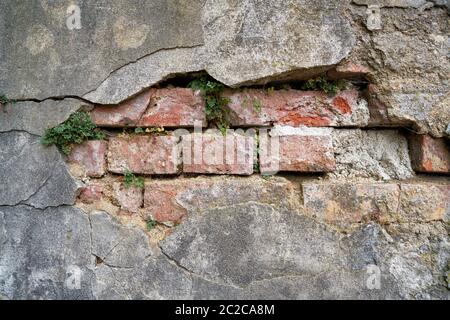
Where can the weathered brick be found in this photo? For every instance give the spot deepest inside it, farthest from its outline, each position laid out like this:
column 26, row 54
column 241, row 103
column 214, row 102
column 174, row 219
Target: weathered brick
column 343, row 203
column 127, row 113
column 170, row 107
column 377, row 108
column 296, row 108
column 348, row 70
column 129, row 199
column 424, row 201
column 296, row 149
column 175, row 107
column 160, row 202
column 91, row 193
column 142, row 154
column 429, row 155
column 212, row 152
column 168, row 201
column 91, row 156
column 346, row 203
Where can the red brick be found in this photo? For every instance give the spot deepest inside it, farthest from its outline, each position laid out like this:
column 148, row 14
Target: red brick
column 212, row 152
column 129, row 199
column 160, row 202
column 172, row 107
column 142, row 154
column 127, row 113
column 177, row 107
column 91, row 193
column 429, row 155
column 91, row 156
column 296, row 149
column 296, row 108
column 377, row 108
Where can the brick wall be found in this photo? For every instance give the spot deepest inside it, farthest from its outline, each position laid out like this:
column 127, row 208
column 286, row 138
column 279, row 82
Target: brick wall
column 360, row 169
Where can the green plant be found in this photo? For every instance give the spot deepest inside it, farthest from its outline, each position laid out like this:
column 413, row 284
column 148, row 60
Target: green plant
column 150, row 224
column 130, row 180
column 321, row 83
column 257, row 105
column 215, row 105
column 4, row 99
column 78, row 128
column 139, row 130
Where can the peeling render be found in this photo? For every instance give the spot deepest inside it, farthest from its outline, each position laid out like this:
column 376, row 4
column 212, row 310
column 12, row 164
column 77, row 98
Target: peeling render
column 364, row 184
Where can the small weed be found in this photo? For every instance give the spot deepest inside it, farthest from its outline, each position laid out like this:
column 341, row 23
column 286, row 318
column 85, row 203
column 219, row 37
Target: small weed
column 139, row 130
column 321, row 83
column 150, row 224
column 257, row 105
column 270, row 91
column 130, row 180
column 78, row 128
column 215, row 105
column 5, row 100
column 159, row 130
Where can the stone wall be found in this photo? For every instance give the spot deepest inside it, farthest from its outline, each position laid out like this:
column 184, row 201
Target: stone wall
column 309, row 193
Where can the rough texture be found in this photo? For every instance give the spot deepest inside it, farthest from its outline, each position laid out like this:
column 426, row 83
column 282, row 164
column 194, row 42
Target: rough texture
column 408, row 61
column 177, row 107
column 126, row 113
column 382, row 154
column 212, row 152
column 41, row 56
column 296, row 108
column 170, row 201
column 35, row 117
column 91, row 156
column 344, row 204
column 246, row 42
column 298, row 235
column 144, row 154
column 429, row 154
column 299, row 150
column 45, row 252
column 31, row 173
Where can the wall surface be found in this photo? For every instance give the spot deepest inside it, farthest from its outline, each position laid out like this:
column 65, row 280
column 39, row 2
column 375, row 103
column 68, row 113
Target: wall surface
column 357, row 205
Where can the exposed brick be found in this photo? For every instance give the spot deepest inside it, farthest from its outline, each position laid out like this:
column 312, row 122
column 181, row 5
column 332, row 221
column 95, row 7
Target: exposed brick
column 212, row 152
column 348, row 70
column 168, row 201
column 160, row 202
column 377, row 108
column 142, row 154
column 127, row 113
column 429, row 155
column 91, row 193
column 296, row 108
column 343, row 203
column 296, row 149
column 424, row 201
column 91, row 156
column 175, row 107
column 129, row 199
column 170, row 107
column 346, row 203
